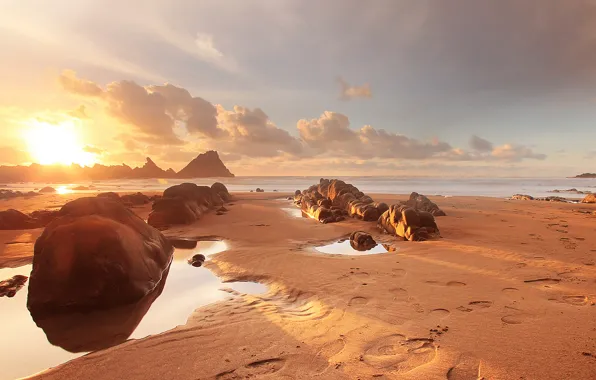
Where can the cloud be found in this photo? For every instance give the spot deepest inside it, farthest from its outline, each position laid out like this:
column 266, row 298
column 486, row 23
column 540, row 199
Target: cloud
column 71, row 83
column 79, row 113
column 479, row 144
column 511, row 152
column 250, row 132
column 352, row 92
column 92, row 149
column 12, row 156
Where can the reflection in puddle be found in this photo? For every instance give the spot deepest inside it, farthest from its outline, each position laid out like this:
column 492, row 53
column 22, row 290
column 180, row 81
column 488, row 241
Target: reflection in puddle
column 345, row 248
column 25, row 349
column 295, row 212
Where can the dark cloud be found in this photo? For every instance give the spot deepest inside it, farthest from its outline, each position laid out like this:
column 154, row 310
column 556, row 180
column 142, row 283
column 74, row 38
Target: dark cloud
column 479, row 144
column 349, row 92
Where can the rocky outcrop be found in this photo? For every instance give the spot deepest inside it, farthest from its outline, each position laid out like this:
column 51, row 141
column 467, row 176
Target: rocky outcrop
column 522, row 197
column 10, row 287
column 408, row 223
column 205, row 165
column 136, row 199
column 222, row 191
column 97, row 254
column 110, row 195
column 590, row 198
column 184, row 204
column 47, row 190
column 259, row 190
column 570, row 191
column 586, row 175
column 16, row 220
column 362, row 241
column 420, row 202
column 9, row 194
column 332, row 200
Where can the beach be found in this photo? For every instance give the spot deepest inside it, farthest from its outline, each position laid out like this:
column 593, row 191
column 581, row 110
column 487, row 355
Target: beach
column 507, row 292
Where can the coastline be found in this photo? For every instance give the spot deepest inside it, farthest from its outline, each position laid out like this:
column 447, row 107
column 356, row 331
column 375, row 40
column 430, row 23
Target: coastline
column 504, row 273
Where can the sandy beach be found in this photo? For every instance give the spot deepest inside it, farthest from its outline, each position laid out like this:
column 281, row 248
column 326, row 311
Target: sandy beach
column 508, row 292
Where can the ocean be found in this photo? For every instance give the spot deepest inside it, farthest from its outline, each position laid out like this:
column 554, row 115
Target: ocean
column 493, row 187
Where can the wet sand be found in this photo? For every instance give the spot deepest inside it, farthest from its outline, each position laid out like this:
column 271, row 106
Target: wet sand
column 507, row 293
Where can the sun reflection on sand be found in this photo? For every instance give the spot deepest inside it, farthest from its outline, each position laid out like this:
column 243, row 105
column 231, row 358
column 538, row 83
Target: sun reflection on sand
column 62, row 190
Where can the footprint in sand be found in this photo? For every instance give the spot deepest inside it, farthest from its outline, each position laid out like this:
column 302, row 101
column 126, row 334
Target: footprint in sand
column 543, row 281
column 397, row 272
column 467, row 367
column 358, row 301
column 258, row 368
column 475, row 305
column 439, row 313
column 327, row 352
column 396, row 353
column 515, row 316
column 399, row 294
column 575, row 300
column 450, row 283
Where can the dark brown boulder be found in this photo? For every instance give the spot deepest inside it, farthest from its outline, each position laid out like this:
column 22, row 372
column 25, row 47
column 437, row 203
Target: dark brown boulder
column 197, row 260
column 10, row 287
column 16, row 220
column 109, row 195
column 259, row 190
column 137, row 199
column 183, row 204
column 420, row 202
column 362, row 241
column 222, row 191
column 96, row 255
column 44, row 217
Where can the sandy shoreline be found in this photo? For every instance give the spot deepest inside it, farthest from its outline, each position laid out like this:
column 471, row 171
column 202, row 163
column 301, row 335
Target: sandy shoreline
column 511, row 285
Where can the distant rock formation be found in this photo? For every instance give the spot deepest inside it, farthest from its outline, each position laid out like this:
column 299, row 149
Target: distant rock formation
column 204, row 165
column 586, row 175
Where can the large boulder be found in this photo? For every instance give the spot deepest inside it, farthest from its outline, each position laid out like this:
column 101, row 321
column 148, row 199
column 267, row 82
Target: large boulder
column 221, row 190
column 408, row 223
column 136, row 199
column 183, row 204
column 420, row 202
column 96, row 255
column 590, row 198
column 47, row 190
column 362, row 241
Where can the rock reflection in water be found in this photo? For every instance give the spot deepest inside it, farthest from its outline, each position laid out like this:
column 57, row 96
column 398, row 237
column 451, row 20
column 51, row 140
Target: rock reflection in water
column 345, row 248
column 97, row 330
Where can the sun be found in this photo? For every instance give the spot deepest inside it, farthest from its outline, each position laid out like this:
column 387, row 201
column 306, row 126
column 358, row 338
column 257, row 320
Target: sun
column 59, row 143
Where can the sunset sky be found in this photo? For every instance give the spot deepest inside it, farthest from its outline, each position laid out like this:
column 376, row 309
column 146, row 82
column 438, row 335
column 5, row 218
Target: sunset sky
column 338, row 87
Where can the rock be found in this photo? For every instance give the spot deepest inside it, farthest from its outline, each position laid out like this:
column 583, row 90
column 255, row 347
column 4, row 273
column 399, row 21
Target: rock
column 16, row 220
column 110, row 195
column 181, row 243
column 421, row 203
column 362, row 241
column 259, row 190
column 522, row 197
column 197, row 260
column 222, row 209
column 220, row 213
column 222, row 191
column 205, row 165
column 81, row 188
column 183, row 204
column 590, row 198
column 408, row 223
column 9, row 194
column 137, row 199
column 552, row 199
column 44, row 217
column 96, row 255
column 47, row 190
column 10, row 287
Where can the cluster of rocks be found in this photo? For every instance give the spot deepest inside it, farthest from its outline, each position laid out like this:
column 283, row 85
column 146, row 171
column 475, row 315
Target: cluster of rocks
column 129, row 200
column 571, row 191
column 525, row 197
column 9, row 194
column 15, row 220
column 362, row 241
column 97, row 254
column 408, row 223
column 10, row 287
column 421, row 203
column 332, row 200
column 186, row 203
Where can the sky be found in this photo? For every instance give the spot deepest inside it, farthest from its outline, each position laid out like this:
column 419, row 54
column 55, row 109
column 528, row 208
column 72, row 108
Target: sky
column 453, row 88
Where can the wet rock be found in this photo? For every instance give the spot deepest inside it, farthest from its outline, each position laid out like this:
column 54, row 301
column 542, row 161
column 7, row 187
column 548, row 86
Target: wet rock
column 222, row 191
column 420, row 202
column 16, row 220
column 183, row 204
column 137, row 199
column 109, row 195
column 197, row 260
column 362, row 241
column 408, row 223
column 97, row 255
column 590, row 198
column 522, row 197
column 47, row 190
column 259, row 190
column 10, row 287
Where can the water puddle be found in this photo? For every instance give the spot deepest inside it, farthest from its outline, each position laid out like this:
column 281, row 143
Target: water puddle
column 345, row 248
column 26, row 348
column 295, row 212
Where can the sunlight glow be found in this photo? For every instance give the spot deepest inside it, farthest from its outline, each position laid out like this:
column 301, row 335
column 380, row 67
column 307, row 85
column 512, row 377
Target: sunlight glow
column 51, row 144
